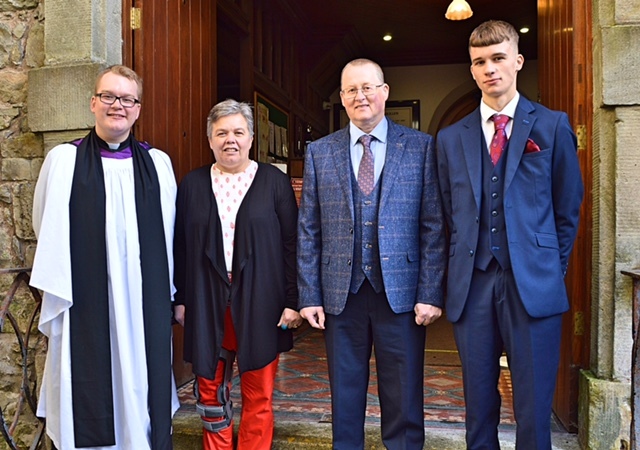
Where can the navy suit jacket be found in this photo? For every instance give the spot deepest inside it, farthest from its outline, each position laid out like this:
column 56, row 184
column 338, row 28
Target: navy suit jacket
column 542, row 196
column 410, row 223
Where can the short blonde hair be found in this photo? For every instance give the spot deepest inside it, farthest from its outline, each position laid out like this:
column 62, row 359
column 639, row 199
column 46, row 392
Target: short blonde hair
column 363, row 62
column 123, row 71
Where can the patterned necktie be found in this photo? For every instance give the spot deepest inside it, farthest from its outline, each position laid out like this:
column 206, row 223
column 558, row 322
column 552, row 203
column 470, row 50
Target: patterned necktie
column 499, row 141
column 365, row 171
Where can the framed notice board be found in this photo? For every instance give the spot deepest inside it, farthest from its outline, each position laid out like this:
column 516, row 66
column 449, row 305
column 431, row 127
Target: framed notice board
column 272, row 131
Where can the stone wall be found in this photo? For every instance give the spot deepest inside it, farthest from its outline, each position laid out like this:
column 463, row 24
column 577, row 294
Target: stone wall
column 21, row 49
column 605, row 390
column 21, row 152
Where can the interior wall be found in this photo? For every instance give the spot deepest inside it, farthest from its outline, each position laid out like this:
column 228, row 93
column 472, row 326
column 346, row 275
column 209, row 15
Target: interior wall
column 435, row 85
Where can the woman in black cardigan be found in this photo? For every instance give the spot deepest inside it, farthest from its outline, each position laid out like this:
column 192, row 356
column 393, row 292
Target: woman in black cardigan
column 235, row 275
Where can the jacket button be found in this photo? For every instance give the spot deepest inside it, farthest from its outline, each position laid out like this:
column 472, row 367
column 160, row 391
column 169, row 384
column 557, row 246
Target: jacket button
column 471, row 252
column 494, row 195
column 494, row 213
column 494, row 178
column 494, row 230
column 348, row 262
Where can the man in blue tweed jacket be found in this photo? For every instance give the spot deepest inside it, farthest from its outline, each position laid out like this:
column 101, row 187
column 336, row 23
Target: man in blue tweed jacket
column 371, row 261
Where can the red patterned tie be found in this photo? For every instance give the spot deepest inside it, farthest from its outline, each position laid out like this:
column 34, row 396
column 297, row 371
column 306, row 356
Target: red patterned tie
column 365, row 171
column 499, row 141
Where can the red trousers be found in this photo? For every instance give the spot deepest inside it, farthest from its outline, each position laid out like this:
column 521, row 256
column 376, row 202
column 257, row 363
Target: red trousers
column 256, row 388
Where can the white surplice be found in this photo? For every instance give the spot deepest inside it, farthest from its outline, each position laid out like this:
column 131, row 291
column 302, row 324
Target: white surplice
column 52, row 274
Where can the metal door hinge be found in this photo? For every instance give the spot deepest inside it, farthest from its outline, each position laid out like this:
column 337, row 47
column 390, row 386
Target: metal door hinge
column 581, row 135
column 578, row 323
column 136, row 18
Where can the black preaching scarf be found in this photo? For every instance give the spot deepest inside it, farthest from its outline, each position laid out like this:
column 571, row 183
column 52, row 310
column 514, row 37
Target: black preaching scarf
column 92, row 393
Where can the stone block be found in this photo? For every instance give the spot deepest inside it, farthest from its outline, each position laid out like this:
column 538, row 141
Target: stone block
column 6, row 236
column 5, row 193
column 604, row 414
column 36, row 165
column 6, row 116
column 15, row 169
column 69, row 34
column 55, row 138
column 26, row 145
column 6, row 44
column 13, row 87
column 29, row 255
column 59, row 97
column 620, row 84
column 627, row 11
column 22, row 210
column 34, row 54
column 17, row 5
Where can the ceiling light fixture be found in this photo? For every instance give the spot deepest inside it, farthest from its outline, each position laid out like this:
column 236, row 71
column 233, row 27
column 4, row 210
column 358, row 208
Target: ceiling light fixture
column 387, row 37
column 524, row 30
column 458, row 10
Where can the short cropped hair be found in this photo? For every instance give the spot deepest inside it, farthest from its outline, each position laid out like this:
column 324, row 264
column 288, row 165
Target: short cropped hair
column 493, row 32
column 229, row 107
column 362, row 62
column 123, row 71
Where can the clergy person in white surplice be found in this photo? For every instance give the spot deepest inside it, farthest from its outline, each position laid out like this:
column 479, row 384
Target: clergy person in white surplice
column 103, row 212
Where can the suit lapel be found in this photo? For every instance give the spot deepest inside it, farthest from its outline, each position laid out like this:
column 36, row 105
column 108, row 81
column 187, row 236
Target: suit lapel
column 395, row 149
column 471, row 140
column 342, row 161
column 522, row 123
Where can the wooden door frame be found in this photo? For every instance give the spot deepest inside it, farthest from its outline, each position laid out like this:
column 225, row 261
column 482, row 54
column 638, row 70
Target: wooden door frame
column 566, row 83
column 577, row 323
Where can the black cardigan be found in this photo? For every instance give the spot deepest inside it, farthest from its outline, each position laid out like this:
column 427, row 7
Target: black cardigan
column 263, row 268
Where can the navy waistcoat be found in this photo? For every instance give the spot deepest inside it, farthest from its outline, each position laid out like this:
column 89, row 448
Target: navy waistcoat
column 492, row 239
column 366, row 252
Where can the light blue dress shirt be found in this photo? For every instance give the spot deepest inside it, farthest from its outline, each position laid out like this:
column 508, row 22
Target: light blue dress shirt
column 378, row 147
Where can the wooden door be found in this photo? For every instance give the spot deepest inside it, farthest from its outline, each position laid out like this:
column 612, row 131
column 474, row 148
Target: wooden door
column 565, row 81
column 174, row 51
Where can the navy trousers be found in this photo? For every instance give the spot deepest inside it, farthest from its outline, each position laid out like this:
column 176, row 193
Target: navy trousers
column 494, row 320
column 366, row 322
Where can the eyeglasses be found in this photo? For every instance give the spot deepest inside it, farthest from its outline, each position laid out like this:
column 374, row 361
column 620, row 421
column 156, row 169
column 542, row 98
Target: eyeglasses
column 110, row 99
column 367, row 90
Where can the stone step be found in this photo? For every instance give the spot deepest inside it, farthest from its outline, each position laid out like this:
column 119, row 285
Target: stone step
column 288, row 435
column 187, row 435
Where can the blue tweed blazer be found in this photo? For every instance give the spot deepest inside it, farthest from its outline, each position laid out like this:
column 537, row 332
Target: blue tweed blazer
column 410, row 223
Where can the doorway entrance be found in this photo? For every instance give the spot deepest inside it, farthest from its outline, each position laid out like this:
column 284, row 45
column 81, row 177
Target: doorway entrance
column 189, row 60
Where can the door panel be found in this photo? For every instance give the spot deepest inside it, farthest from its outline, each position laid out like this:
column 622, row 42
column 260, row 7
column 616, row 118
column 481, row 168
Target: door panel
column 565, row 81
column 174, row 52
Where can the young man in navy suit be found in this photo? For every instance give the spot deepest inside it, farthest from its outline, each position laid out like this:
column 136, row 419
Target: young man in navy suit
column 512, row 203
column 371, row 260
